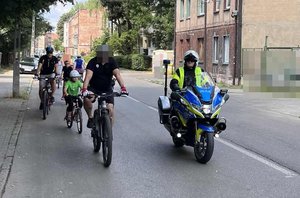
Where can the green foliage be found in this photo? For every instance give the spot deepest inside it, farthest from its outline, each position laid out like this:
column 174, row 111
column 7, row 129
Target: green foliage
column 140, row 62
column 101, row 40
column 135, row 61
column 58, row 45
column 124, row 44
column 145, row 15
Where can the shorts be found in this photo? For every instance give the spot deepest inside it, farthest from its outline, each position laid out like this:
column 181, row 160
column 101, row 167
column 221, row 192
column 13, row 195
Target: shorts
column 43, row 81
column 109, row 99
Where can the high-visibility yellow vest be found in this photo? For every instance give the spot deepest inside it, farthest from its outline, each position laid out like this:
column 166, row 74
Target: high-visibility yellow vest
column 180, row 78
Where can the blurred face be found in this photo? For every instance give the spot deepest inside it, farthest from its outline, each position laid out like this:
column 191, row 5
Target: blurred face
column 50, row 55
column 74, row 79
column 103, row 53
column 190, row 63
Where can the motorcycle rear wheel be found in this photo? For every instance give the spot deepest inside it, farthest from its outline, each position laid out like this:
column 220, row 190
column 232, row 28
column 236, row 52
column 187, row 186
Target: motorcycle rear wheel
column 204, row 148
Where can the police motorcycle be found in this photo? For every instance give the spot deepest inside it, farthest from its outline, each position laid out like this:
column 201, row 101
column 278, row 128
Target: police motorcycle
column 192, row 115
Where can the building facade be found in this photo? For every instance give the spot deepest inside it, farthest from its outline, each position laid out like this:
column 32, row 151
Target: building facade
column 80, row 31
column 220, row 34
column 232, row 26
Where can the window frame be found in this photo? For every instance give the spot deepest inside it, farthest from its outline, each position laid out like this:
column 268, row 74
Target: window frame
column 216, row 50
column 224, row 50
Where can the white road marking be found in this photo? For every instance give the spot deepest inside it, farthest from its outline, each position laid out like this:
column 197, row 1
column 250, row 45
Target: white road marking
column 133, row 99
column 154, row 109
column 259, row 158
column 287, row 172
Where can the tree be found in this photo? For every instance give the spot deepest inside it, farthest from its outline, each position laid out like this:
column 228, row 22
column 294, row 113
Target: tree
column 58, row 45
column 145, row 15
column 13, row 15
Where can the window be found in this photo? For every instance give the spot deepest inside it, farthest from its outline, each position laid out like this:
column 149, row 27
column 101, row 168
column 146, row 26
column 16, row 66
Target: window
column 217, row 5
column 188, row 8
column 181, row 9
column 188, row 43
column 200, row 7
column 201, row 49
column 216, row 50
column 226, row 45
column 227, row 4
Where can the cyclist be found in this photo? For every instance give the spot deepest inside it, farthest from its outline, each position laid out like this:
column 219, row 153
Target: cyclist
column 98, row 79
column 47, row 69
column 59, row 68
column 66, row 74
column 71, row 91
column 79, row 65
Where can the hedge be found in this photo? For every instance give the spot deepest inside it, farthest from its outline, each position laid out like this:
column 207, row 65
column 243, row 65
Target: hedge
column 135, row 61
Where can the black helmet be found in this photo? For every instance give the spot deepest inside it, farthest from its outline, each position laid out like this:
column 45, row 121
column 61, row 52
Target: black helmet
column 49, row 50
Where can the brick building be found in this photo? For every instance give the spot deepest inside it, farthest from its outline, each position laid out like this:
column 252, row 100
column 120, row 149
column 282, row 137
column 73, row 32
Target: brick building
column 231, row 26
column 49, row 38
column 82, row 29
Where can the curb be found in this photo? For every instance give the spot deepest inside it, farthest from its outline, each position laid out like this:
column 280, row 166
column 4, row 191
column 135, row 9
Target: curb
column 5, row 169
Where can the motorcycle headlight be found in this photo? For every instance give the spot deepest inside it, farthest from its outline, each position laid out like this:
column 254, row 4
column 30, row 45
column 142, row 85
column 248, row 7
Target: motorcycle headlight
column 206, row 109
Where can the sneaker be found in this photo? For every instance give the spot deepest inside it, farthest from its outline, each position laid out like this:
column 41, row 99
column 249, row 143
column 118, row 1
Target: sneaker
column 90, row 123
column 41, row 106
column 52, row 100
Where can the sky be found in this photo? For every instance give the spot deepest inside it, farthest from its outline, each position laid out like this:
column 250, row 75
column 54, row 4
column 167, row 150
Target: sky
column 56, row 11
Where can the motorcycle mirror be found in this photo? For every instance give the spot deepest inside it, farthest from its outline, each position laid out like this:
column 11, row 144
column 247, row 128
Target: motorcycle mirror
column 223, row 91
column 226, row 97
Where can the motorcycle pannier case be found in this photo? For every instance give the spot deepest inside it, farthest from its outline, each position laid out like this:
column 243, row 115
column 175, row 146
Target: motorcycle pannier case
column 164, row 107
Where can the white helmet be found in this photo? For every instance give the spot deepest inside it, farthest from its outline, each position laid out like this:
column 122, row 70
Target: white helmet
column 191, row 54
column 74, row 74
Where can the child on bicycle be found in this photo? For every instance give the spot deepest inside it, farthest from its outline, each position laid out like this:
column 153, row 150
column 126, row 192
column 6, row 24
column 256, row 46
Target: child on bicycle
column 71, row 90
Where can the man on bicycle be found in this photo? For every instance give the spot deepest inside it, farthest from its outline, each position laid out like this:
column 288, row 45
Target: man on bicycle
column 47, row 69
column 98, row 79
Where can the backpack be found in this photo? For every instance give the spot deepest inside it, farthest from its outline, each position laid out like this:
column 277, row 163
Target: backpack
column 78, row 63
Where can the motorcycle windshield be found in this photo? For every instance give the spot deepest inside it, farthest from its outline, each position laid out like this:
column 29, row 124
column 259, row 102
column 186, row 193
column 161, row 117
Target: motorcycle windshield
column 192, row 98
column 206, row 93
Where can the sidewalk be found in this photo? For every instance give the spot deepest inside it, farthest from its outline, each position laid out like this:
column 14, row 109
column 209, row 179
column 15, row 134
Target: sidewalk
column 11, row 118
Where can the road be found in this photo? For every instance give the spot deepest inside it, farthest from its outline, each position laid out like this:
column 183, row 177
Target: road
column 257, row 156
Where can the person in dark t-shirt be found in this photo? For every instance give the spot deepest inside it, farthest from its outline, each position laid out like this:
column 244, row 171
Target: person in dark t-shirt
column 47, row 69
column 98, row 79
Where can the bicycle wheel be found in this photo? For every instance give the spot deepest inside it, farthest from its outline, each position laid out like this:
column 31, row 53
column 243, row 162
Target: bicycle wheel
column 96, row 131
column 69, row 122
column 107, row 140
column 45, row 104
column 78, row 119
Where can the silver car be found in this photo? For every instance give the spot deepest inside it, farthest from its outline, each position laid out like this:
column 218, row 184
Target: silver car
column 28, row 65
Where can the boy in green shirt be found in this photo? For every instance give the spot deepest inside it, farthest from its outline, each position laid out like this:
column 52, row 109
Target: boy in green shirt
column 71, row 90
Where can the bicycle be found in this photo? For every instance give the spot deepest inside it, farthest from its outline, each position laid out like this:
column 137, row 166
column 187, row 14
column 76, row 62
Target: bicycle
column 76, row 115
column 46, row 96
column 101, row 131
column 58, row 81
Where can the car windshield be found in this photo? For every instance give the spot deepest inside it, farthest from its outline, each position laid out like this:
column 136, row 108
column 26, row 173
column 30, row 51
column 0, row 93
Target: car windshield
column 28, row 60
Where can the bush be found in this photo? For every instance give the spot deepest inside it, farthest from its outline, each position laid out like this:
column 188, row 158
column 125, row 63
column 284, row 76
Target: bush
column 141, row 62
column 123, row 61
column 135, row 61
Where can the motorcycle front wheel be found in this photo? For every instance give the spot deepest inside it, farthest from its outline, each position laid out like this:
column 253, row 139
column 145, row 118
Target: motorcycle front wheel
column 204, row 148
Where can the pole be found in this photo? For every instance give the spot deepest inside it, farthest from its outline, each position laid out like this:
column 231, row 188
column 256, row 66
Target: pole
column 166, row 63
column 235, row 44
column 32, row 34
column 205, row 39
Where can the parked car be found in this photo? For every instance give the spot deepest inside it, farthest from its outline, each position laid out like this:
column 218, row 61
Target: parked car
column 28, row 65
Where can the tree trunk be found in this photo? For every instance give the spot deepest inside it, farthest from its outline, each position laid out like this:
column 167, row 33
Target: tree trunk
column 16, row 71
